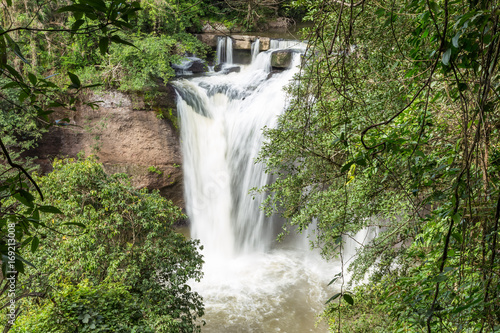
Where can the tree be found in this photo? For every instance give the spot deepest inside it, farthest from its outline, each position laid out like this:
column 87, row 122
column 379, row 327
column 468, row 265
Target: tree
column 255, row 11
column 128, row 249
column 393, row 125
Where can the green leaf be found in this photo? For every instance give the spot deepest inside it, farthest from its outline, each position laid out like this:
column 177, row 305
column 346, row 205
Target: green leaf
column 446, row 57
column 117, row 39
column 360, row 160
column 457, row 237
column 71, row 8
column 77, row 25
column 32, row 78
column 12, row 84
column 26, row 241
column 86, row 318
column 434, row 6
column 103, row 45
column 49, row 209
column 21, row 260
column 25, row 198
column 334, row 297
column 348, row 299
column 15, row 48
column 75, row 80
column 93, row 85
column 346, row 166
column 454, row 40
column 22, row 96
column 34, row 244
column 13, row 72
column 36, row 216
column 441, row 277
column 44, row 113
column 337, row 276
column 97, row 4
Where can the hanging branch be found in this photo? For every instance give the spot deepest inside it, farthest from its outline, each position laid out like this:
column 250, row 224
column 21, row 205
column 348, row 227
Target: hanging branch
column 20, row 168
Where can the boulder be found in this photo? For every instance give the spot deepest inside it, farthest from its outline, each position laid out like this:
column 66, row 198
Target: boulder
column 227, row 69
column 197, row 66
column 232, row 69
column 281, row 59
column 190, row 65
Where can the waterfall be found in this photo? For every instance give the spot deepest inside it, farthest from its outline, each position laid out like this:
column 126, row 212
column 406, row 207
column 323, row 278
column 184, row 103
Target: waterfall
column 229, row 50
column 224, row 50
column 255, row 49
column 251, row 283
column 221, row 128
column 287, row 44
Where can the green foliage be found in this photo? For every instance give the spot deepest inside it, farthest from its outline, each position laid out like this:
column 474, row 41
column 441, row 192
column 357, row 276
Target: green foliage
column 138, row 68
column 252, row 14
column 143, row 67
column 86, row 308
column 27, row 97
column 171, row 17
column 154, row 169
column 387, row 130
column 127, row 239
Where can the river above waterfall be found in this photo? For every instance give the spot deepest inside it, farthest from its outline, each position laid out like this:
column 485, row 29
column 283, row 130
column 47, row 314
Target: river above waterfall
column 251, row 282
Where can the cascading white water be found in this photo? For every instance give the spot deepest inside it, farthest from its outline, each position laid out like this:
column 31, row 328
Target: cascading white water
column 276, row 44
column 255, row 48
column 221, row 50
column 229, row 50
column 224, row 50
column 251, row 284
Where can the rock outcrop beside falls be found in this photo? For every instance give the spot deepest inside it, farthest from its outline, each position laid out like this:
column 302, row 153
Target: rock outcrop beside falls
column 240, row 42
column 127, row 137
column 282, row 59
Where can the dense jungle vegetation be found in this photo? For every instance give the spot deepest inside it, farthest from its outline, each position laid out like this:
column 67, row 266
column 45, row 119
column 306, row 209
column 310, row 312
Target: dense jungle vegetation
column 393, row 126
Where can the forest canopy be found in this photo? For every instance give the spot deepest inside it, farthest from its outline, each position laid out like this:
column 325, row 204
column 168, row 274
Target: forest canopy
column 393, row 126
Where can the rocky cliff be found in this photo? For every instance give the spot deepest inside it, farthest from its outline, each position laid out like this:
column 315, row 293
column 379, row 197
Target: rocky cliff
column 127, row 136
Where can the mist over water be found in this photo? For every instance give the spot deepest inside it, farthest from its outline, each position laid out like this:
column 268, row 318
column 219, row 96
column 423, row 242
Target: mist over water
column 251, row 283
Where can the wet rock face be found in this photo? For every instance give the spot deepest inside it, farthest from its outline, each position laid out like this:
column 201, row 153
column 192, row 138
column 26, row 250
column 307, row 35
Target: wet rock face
column 190, row 66
column 197, row 66
column 227, row 69
column 240, row 42
column 281, row 59
column 126, row 136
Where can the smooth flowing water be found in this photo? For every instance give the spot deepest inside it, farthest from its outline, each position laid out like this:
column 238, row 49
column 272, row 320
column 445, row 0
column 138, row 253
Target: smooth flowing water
column 251, row 283
column 224, row 50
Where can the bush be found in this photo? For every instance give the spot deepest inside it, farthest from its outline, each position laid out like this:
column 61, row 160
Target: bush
column 87, row 308
column 128, row 240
